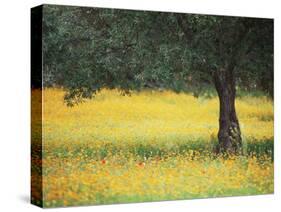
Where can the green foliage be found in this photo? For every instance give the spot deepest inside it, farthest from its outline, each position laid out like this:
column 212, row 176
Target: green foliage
column 86, row 49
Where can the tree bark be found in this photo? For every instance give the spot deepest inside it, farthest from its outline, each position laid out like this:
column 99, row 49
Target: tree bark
column 229, row 135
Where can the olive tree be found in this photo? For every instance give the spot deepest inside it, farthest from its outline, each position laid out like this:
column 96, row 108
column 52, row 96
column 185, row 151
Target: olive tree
column 86, row 49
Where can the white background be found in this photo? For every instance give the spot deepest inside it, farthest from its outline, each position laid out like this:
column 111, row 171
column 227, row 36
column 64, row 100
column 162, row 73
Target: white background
column 15, row 102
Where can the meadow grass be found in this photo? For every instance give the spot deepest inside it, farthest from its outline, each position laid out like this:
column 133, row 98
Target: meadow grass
column 149, row 146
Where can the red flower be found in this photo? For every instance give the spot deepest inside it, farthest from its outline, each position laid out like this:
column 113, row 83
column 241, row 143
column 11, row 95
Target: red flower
column 141, row 164
column 103, row 161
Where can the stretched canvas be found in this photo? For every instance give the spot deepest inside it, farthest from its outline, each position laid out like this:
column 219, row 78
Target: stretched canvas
column 136, row 106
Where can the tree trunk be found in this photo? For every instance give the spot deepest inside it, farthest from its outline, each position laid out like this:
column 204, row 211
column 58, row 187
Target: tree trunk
column 229, row 134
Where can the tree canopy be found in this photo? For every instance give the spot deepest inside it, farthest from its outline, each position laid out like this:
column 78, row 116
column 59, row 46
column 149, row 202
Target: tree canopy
column 86, row 49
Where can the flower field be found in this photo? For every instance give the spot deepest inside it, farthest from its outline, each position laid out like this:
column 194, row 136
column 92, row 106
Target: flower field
column 149, row 146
